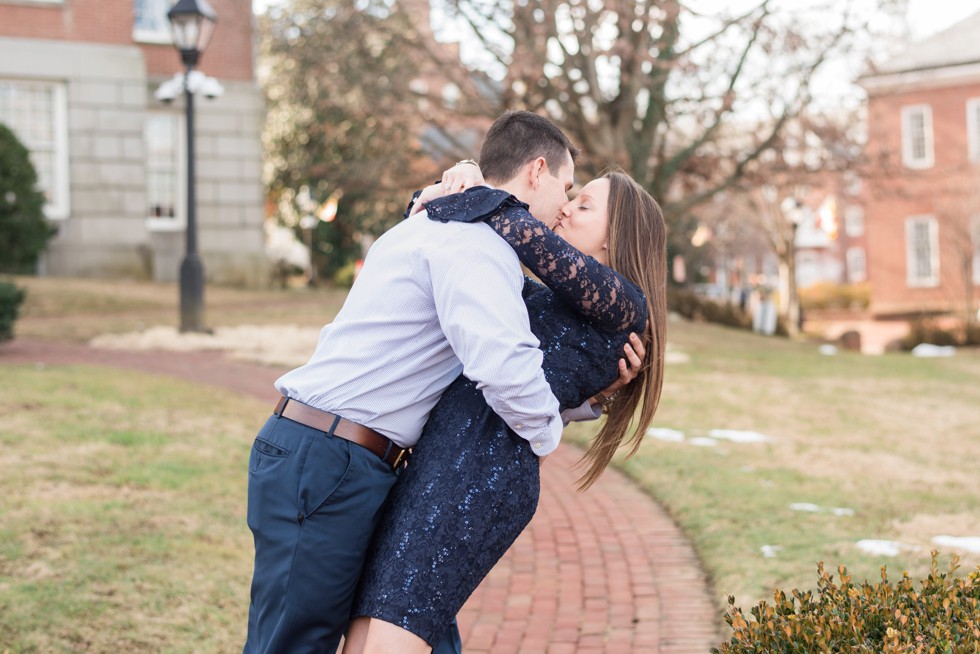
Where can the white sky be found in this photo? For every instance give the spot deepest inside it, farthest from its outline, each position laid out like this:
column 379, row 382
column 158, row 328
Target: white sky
column 925, row 16
column 930, row 16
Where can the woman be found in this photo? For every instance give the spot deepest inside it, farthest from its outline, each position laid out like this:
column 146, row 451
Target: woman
column 472, row 485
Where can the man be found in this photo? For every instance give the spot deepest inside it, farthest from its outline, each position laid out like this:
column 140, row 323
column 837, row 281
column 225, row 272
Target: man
column 432, row 301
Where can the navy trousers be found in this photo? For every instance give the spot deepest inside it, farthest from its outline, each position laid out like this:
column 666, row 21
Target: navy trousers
column 313, row 502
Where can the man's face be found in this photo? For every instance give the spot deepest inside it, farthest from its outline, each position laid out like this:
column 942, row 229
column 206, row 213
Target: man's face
column 552, row 192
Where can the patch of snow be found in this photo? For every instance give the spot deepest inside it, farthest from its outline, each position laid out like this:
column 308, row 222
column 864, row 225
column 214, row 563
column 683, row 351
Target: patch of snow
column 813, row 508
column 673, row 355
column 288, row 345
column 928, row 350
column 665, row 434
column 969, row 543
column 876, row 547
column 805, row 506
column 737, row 436
column 769, row 551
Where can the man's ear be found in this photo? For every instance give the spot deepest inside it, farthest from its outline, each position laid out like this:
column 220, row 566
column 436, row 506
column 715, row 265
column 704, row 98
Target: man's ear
column 537, row 168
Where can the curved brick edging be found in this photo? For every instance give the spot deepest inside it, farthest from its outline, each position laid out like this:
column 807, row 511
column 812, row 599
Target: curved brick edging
column 601, row 572
column 605, row 571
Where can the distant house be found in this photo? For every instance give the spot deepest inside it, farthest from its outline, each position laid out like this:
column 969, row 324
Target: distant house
column 922, row 200
column 77, row 83
column 830, row 239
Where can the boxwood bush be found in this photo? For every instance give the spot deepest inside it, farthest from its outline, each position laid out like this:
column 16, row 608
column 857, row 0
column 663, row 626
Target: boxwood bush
column 10, row 299
column 694, row 307
column 24, row 231
column 924, row 330
column 941, row 616
column 825, row 295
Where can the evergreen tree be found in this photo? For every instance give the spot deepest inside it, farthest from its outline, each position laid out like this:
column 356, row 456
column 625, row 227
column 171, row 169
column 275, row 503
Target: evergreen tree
column 24, row 231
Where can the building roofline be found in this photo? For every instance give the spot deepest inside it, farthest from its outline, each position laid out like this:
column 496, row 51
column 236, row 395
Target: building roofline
column 924, row 77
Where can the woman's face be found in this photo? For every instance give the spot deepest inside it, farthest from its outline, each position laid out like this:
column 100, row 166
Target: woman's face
column 584, row 221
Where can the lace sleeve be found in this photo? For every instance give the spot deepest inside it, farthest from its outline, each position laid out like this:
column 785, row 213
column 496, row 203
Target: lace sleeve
column 597, row 292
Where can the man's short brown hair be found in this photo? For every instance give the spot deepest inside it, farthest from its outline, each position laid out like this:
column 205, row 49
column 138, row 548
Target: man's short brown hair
column 518, row 137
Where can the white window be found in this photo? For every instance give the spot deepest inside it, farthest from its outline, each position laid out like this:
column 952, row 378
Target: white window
column 854, row 220
column 922, row 251
column 975, row 229
column 151, row 24
column 857, row 267
column 165, row 175
column 973, row 128
column 852, row 183
column 917, row 136
column 37, row 114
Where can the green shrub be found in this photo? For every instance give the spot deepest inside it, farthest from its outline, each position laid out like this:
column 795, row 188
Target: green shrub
column 941, row 617
column 824, row 295
column 24, row 231
column 694, row 307
column 10, row 299
column 344, row 277
column 924, row 330
column 972, row 332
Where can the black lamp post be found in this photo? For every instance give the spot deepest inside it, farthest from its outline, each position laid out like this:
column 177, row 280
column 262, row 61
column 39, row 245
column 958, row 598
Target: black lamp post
column 192, row 23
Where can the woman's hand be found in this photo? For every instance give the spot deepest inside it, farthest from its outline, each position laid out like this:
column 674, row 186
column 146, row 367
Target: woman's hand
column 465, row 174
column 430, row 192
column 457, row 179
column 629, row 368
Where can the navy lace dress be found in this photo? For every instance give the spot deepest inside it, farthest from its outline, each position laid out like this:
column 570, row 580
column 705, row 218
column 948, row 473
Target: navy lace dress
column 472, row 484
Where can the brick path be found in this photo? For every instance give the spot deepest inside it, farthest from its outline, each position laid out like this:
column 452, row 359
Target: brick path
column 600, row 572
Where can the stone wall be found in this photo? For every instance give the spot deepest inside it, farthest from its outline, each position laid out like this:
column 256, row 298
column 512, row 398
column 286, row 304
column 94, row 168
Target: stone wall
column 106, row 231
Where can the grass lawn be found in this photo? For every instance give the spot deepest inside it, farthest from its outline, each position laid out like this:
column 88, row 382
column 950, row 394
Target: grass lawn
column 895, row 439
column 80, row 309
column 122, row 518
column 122, row 510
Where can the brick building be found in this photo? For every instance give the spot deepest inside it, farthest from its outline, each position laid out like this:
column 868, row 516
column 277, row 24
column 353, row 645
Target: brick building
column 77, row 83
column 922, row 200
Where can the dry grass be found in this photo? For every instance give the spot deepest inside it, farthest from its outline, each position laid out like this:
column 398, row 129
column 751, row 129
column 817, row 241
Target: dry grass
column 122, row 519
column 894, row 438
column 80, row 309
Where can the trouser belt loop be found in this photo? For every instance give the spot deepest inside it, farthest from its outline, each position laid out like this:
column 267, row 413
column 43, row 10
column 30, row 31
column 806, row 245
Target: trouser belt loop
column 333, row 427
column 281, row 406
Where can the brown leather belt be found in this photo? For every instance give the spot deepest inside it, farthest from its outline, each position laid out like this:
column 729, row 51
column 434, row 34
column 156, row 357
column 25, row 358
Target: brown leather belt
column 351, row 431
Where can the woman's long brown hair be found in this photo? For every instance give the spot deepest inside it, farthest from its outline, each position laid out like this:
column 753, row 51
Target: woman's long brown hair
column 637, row 251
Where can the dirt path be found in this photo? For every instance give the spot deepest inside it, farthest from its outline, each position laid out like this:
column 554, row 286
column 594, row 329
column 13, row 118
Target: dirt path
column 601, row 572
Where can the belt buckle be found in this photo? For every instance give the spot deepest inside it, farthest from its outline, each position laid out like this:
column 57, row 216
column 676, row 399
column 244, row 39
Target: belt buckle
column 400, row 459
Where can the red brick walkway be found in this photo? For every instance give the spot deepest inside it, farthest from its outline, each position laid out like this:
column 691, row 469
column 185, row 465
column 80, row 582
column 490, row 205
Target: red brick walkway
column 600, row 572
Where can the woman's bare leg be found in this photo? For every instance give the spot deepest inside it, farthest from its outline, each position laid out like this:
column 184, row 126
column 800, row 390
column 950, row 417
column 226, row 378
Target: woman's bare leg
column 385, row 638
column 355, row 636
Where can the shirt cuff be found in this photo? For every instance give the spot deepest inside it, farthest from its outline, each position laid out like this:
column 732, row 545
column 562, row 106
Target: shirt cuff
column 547, row 442
column 584, row 413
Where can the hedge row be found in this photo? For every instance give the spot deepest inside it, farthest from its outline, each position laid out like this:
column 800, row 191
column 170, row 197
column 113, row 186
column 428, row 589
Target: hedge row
column 941, row 616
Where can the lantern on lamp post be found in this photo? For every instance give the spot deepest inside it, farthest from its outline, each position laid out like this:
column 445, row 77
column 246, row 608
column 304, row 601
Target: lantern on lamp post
column 192, row 24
